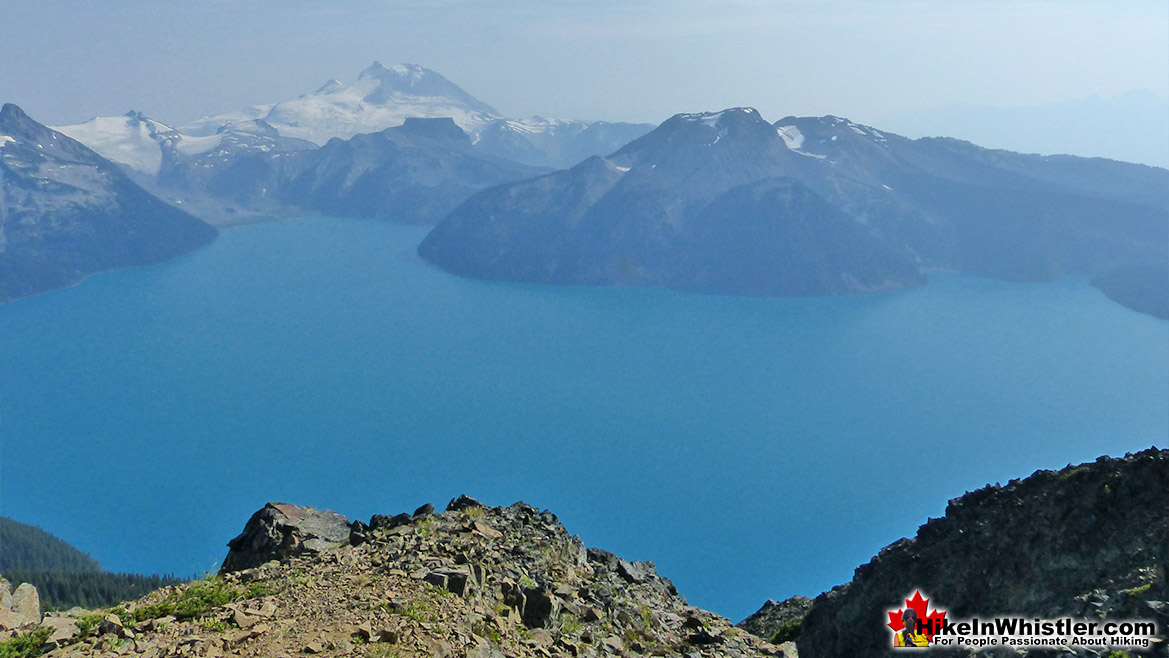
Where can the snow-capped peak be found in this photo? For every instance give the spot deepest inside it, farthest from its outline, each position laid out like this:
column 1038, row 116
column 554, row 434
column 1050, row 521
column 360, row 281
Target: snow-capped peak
column 381, row 97
column 133, row 139
column 329, row 87
column 712, row 118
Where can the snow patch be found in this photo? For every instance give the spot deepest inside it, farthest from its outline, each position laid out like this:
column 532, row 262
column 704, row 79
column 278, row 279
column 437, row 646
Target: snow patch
column 4, row 139
column 793, row 139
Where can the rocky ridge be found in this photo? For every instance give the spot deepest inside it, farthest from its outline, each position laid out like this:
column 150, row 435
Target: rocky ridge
column 470, row 581
column 1090, row 541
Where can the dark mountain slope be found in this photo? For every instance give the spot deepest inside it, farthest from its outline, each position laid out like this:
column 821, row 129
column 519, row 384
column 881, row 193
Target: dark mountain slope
column 697, row 204
column 415, row 173
column 1090, row 541
column 65, row 212
column 24, row 546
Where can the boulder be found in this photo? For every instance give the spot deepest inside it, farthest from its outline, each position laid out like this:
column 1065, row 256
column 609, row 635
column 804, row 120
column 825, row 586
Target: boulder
column 64, row 630
column 5, row 594
column 636, row 572
column 26, row 605
column 280, row 530
column 773, row 616
column 462, row 502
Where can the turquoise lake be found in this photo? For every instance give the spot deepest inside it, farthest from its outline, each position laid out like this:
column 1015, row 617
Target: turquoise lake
column 753, row 448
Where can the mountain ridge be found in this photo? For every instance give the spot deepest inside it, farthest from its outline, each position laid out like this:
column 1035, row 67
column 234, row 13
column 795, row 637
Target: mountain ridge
column 1088, row 541
column 66, row 213
column 931, row 205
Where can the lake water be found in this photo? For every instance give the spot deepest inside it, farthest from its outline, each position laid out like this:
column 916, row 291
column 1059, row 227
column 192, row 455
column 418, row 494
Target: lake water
column 752, row 448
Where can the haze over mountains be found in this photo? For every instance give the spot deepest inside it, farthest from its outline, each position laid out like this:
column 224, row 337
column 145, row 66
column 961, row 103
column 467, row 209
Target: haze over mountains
column 381, row 97
column 65, row 212
column 719, row 202
column 725, row 202
column 1133, row 126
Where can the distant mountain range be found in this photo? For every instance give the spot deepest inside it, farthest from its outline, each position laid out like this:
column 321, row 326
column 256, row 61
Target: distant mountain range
column 727, row 203
column 415, row 173
column 66, row 212
column 381, row 97
column 720, row 202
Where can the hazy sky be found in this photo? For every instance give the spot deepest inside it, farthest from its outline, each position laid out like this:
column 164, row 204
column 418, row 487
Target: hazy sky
column 67, row 60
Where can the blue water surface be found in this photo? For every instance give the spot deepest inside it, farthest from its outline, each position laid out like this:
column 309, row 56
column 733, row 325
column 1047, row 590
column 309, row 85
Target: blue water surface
column 753, row 448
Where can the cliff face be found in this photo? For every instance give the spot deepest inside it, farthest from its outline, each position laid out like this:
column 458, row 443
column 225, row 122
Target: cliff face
column 471, row 581
column 1089, row 541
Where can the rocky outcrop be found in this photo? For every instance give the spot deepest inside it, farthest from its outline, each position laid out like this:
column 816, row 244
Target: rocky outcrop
column 280, row 531
column 472, row 581
column 20, row 608
column 1089, row 541
column 778, row 621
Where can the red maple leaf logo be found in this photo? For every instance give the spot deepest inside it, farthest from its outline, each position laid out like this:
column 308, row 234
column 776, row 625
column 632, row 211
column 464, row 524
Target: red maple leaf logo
column 919, row 605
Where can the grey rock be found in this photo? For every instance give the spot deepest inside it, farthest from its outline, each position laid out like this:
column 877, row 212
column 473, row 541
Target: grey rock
column 452, row 581
column 539, row 608
column 428, row 508
column 381, row 521
column 1081, row 539
column 64, row 630
column 636, row 572
column 462, row 502
column 774, row 615
column 26, row 604
column 280, row 530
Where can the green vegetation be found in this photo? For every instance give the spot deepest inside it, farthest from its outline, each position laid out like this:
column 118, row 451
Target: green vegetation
column 419, row 611
column 425, row 527
column 382, row 650
column 214, row 625
column 87, row 624
column 788, row 631
column 570, row 624
column 489, row 631
column 198, row 599
column 1073, row 471
column 25, row 645
column 29, row 548
column 1118, row 654
column 1138, row 591
column 60, row 590
column 64, row 576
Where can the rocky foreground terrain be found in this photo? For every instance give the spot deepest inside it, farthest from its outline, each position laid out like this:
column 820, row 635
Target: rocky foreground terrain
column 470, row 581
column 1090, row 541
